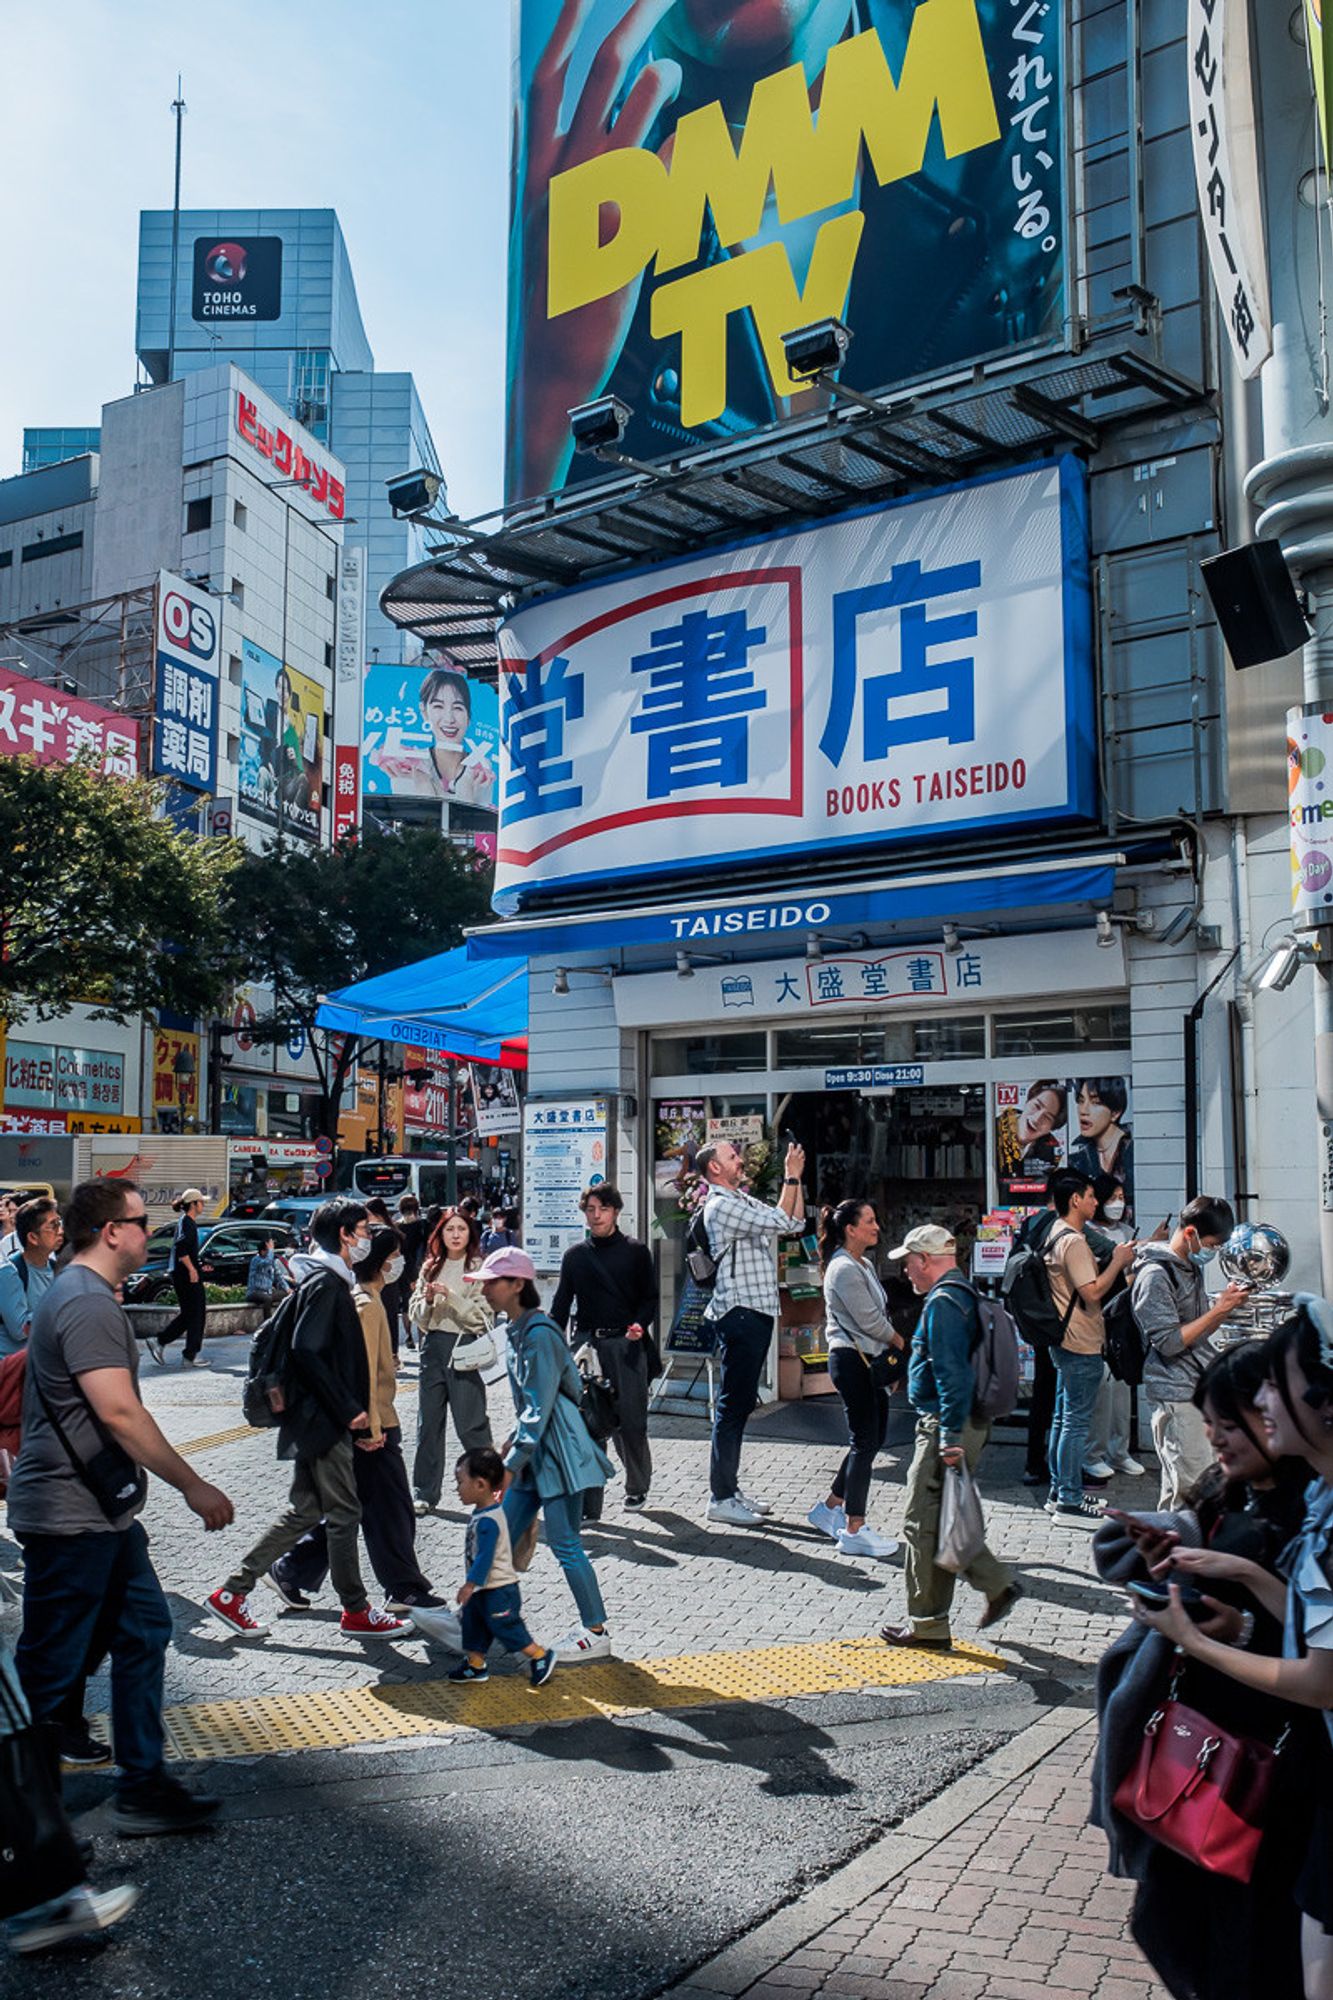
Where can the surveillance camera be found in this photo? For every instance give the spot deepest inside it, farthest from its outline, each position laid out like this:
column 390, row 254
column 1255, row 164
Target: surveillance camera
column 414, row 492
column 817, row 349
column 597, row 425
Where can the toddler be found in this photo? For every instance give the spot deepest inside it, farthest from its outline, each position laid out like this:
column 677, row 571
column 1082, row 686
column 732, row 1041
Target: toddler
column 491, row 1606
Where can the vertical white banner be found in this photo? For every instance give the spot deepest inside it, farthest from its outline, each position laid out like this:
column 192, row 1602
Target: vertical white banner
column 349, row 656
column 1226, row 168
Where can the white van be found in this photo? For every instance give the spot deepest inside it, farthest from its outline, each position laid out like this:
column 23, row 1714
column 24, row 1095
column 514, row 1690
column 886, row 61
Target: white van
column 424, row 1175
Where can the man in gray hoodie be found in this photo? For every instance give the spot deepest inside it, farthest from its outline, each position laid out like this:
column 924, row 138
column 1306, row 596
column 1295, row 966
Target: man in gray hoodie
column 1177, row 1319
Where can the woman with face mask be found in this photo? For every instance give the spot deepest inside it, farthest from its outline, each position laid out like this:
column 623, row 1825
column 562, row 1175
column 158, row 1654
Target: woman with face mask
column 444, row 1311
column 388, row 1521
column 1108, row 1436
column 1206, row 1934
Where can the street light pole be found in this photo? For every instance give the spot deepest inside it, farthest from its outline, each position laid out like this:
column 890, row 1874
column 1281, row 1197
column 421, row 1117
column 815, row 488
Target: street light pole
column 1293, row 486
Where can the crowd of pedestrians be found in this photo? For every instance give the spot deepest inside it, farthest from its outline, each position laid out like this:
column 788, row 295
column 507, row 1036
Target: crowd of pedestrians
column 1232, row 1572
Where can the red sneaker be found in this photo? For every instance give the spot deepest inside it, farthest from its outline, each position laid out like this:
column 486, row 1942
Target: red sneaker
column 232, row 1610
column 373, row 1624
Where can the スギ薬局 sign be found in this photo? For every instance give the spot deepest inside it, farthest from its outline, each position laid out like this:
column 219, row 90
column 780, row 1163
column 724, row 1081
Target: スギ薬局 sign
column 904, row 671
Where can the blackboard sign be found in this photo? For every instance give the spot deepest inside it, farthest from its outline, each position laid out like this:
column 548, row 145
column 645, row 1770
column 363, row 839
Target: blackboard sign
column 690, row 1332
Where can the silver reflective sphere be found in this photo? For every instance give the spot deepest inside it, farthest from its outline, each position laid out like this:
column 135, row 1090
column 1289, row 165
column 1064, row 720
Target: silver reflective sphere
column 1256, row 1254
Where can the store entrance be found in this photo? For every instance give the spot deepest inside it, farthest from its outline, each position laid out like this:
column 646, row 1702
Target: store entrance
column 918, row 1152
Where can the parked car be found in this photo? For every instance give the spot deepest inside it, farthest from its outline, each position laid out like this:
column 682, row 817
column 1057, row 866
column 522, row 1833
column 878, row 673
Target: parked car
column 225, row 1250
column 293, row 1211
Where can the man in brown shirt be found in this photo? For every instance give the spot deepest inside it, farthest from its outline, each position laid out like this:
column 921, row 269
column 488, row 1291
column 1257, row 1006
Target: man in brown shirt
column 1078, row 1290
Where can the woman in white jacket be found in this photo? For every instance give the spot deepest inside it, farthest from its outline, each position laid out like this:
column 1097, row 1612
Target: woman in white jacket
column 444, row 1311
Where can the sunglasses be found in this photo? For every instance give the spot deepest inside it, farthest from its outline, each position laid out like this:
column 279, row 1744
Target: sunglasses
column 140, row 1221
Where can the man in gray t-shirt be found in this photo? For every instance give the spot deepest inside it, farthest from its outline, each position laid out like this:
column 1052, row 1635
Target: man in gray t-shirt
column 89, row 1587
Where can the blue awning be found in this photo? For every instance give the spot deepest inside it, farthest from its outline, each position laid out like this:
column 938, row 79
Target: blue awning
column 751, row 921
column 449, row 1003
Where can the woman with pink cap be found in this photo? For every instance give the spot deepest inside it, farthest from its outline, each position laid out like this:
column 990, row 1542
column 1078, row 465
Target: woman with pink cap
column 551, row 1460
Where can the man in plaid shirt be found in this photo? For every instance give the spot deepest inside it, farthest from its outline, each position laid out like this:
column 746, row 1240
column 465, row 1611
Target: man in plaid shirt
column 742, row 1236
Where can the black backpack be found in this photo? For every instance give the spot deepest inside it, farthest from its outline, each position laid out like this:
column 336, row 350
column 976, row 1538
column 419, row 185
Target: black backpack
column 1026, row 1286
column 264, row 1394
column 1126, row 1350
column 700, row 1262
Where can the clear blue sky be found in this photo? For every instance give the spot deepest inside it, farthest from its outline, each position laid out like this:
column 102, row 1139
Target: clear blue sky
column 394, row 112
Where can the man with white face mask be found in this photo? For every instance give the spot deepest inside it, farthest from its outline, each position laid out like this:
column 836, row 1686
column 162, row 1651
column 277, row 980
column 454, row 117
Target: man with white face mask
column 327, row 1394
column 1177, row 1318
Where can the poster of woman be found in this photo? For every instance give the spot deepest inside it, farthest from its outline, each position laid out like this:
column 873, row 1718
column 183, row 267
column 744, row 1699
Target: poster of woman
column 1030, row 1137
column 430, row 733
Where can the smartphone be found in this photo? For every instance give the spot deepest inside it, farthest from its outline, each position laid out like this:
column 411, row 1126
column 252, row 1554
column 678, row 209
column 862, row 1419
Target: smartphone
column 1157, row 1598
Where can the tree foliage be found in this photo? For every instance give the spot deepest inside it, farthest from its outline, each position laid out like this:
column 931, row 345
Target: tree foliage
column 314, row 919
column 103, row 902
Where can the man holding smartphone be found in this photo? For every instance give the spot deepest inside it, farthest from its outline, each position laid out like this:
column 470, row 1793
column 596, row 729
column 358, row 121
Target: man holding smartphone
column 742, row 1237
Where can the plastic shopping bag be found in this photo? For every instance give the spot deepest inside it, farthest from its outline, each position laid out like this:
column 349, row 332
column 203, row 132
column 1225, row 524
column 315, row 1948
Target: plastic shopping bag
column 962, row 1523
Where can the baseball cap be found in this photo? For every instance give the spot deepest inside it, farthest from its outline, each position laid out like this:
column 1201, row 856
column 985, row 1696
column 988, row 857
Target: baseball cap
column 188, row 1196
column 927, row 1241
column 510, row 1262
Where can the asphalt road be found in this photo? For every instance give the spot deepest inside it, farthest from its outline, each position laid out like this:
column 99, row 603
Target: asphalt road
column 589, row 1861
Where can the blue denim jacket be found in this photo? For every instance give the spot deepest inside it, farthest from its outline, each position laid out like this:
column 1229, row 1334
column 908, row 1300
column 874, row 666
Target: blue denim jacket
column 552, row 1448
column 940, row 1381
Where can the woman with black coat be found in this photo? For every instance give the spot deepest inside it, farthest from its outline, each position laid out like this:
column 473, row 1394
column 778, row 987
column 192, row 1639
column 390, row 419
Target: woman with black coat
column 1206, row 1936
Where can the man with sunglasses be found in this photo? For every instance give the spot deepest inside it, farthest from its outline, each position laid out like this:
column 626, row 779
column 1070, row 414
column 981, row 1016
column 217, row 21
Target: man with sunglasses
column 89, row 1587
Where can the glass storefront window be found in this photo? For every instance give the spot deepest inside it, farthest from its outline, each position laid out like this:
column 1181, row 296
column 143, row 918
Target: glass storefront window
column 1056, row 1032
column 709, row 1055
column 950, row 1039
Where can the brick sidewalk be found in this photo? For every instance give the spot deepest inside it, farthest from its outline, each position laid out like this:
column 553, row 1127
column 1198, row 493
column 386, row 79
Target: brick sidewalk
column 996, row 1891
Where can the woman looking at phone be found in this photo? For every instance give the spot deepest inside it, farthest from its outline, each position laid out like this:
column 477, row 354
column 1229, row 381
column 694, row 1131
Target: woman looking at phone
column 1203, row 1934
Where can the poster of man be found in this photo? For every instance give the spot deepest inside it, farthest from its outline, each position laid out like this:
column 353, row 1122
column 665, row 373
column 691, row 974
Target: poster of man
column 1030, row 1137
column 1101, row 1141
column 282, row 744
column 923, row 139
column 430, row 733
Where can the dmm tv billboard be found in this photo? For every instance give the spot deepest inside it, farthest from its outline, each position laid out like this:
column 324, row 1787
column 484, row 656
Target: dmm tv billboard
column 695, row 178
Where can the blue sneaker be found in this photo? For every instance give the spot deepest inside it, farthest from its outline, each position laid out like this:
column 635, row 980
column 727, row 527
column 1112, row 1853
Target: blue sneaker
column 465, row 1671
column 540, row 1670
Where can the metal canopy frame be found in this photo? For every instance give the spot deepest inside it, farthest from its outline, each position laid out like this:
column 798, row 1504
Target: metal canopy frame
column 989, row 416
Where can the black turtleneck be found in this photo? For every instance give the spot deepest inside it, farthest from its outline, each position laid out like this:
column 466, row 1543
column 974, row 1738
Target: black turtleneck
column 610, row 1283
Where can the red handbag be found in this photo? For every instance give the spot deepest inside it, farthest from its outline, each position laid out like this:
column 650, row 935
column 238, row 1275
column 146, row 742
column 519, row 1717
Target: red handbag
column 1199, row 1790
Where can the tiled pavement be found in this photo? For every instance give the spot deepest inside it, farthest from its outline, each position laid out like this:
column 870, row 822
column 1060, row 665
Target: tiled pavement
column 996, row 1888
column 994, row 1891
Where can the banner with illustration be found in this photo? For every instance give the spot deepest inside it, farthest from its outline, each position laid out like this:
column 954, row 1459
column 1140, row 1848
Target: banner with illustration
column 429, row 733
column 1055, row 1122
column 649, row 259
column 281, row 776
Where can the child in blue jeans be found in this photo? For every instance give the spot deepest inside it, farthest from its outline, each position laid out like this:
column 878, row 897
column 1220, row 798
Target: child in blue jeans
column 490, row 1601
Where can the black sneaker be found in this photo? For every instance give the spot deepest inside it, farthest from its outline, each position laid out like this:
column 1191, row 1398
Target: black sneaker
column 636, row 1500
column 1087, row 1514
column 414, row 1600
column 294, row 1599
column 81, row 1750
column 541, row 1669
column 465, row 1671
column 162, row 1806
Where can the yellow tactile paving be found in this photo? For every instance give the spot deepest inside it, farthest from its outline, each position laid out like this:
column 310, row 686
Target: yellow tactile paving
column 215, row 1438
column 271, row 1724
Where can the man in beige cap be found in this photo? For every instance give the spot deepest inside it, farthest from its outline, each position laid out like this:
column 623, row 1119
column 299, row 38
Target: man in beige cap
column 941, row 1388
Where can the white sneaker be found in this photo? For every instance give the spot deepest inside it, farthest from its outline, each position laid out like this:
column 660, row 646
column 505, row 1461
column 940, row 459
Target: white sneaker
column 439, row 1625
column 734, row 1513
column 78, row 1914
column 830, row 1521
column 755, row 1506
column 1129, row 1466
column 581, row 1644
column 865, row 1542
column 1098, row 1468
